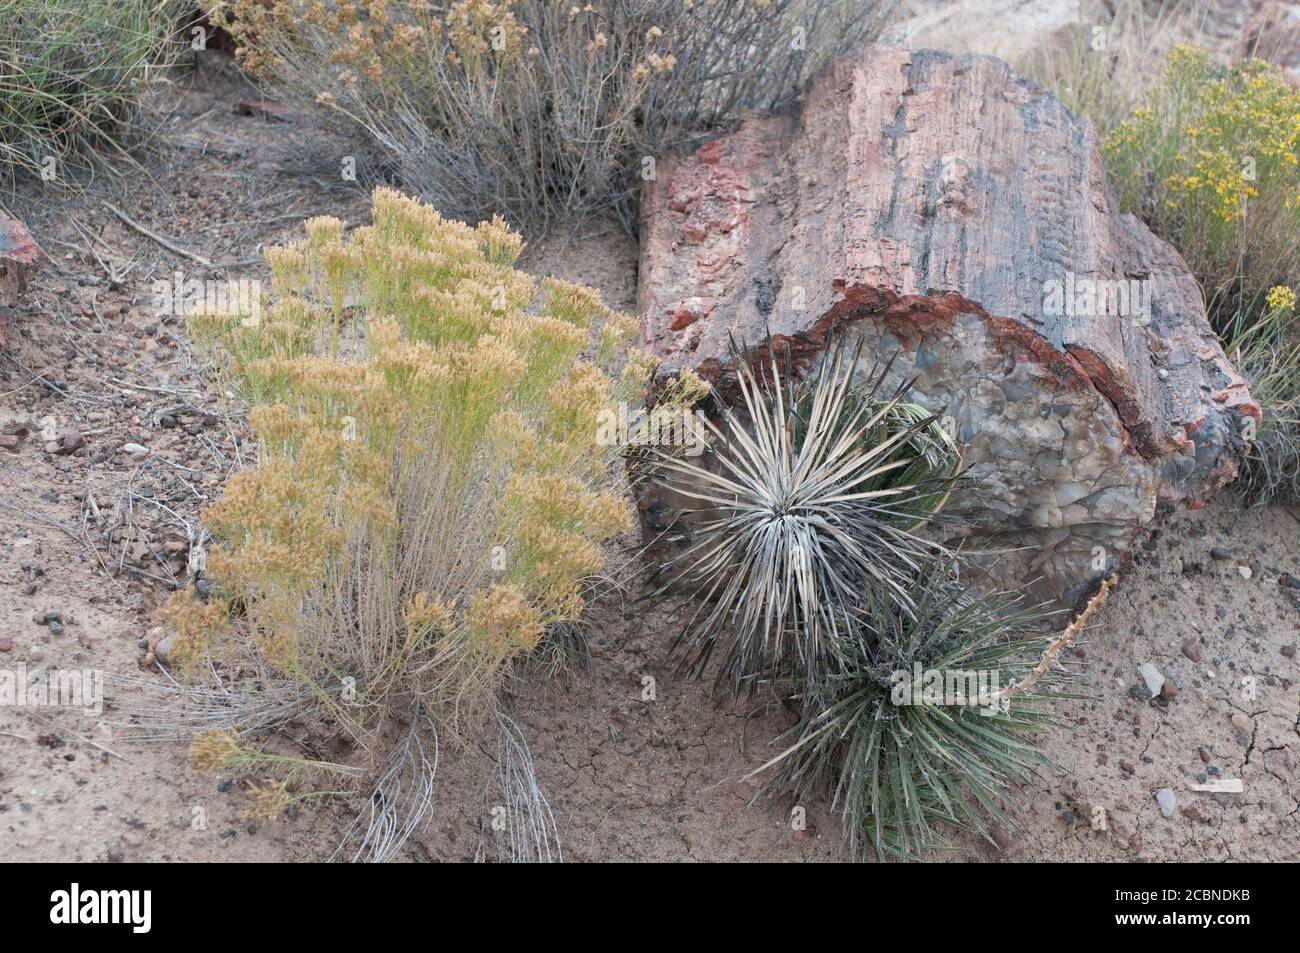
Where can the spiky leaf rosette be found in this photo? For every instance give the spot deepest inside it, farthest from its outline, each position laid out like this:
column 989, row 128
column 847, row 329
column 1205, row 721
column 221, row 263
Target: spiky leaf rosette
column 903, row 761
column 807, row 514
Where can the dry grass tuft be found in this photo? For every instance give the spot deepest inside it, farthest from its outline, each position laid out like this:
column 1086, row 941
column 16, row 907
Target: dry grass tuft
column 536, row 109
column 72, row 74
column 1104, row 66
column 428, row 501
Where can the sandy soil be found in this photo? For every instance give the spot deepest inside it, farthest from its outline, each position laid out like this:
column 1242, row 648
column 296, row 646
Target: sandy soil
column 97, row 532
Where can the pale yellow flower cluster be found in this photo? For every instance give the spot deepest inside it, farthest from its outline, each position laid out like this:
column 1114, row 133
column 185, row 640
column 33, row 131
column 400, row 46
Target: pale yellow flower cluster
column 416, row 400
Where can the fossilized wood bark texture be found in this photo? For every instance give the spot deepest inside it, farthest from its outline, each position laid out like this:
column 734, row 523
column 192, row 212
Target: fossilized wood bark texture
column 19, row 258
column 928, row 203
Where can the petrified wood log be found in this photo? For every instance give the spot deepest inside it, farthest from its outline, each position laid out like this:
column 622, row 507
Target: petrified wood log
column 947, row 210
column 19, row 259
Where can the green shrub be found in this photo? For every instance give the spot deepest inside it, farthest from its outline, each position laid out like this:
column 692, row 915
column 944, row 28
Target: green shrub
column 1209, row 161
column 429, row 500
column 72, row 73
column 1207, row 157
column 537, row 109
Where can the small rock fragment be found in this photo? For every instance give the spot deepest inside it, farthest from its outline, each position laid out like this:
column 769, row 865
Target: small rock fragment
column 1151, row 675
column 1168, row 803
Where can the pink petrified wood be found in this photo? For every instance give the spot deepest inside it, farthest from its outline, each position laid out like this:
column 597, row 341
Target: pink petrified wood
column 19, row 259
column 947, row 210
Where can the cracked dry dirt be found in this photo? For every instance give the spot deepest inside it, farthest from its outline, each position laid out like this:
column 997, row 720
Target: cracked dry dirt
column 627, row 779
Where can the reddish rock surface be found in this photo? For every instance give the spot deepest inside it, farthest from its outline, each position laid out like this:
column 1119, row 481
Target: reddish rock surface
column 943, row 208
column 19, row 258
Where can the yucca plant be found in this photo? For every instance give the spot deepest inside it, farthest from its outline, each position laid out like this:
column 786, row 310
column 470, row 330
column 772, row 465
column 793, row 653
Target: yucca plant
column 815, row 560
column 807, row 512
column 903, row 765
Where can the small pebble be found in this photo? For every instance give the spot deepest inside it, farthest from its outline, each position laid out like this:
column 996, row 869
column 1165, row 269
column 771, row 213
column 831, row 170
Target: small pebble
column 1151, row 675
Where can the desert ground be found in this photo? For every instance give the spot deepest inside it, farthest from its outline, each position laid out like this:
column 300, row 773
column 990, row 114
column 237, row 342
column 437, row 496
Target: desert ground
column 124, row 437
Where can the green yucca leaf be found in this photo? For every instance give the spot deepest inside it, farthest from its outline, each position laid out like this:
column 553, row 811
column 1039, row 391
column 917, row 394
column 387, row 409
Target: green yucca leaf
column 805, row 515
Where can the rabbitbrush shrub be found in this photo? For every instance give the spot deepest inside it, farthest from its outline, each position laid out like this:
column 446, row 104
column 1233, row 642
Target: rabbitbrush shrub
column 72, row 73
column 814, row 577
column 428, row 501
column 535, row 108
column 1209, row 161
